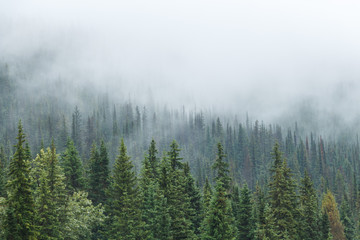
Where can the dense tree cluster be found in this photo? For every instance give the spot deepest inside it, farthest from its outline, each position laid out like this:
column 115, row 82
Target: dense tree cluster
column 220, row 179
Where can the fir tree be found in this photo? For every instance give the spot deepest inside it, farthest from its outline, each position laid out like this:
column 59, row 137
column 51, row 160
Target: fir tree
column 51, row 196
column 345, row 217
column 123, row 200
column 283, row 200
column 20, row 213
column 329, row 206
column 219, row 224
column 73, row 169
column 245, row 221
column 222, row 168
column 195, row 208
column 309, row 210
column 99, row 174
column 177, row 198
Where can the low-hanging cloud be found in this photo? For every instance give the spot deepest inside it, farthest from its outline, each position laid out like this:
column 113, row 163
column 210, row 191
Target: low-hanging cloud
column 261, row 57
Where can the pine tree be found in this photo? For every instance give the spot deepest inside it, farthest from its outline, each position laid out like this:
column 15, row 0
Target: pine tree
column 309, row 210
column 51, row 196
column 222, row 168
column 345, row 217
column 283, row 200
column 177, row 198
column 153, row 160
column 245, row 221
column 20, row 213
column 73, row 169
column 219, row 224
column 329, row 206
column 99, row 174
column 207, row 194
column 195, row 208
column 123, row 200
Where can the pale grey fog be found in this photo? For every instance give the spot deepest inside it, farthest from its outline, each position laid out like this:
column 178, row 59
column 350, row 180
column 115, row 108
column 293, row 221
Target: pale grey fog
column 271, row 59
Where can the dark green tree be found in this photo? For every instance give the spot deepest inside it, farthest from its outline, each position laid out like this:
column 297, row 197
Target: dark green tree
column 245, row 221
column 177, row 198
column 222, row 168
column 309, row 210
column 346, row 218
column 283, row 199
column 51, row 196
column 73, row 169
column 196, row 208
column 20, row 212
column 98, row 174
column 123, row 206
column 219, row 224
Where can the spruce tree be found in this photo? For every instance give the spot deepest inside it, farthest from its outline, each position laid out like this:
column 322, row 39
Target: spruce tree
column 345, row 217
column 99, row 174
column 177, row 198
column 195, row 208
column 283, row 199
column 309, row 210
column 329, row 206
column 73, row 169
column 222, row 168
column 20, row 212
column 123, row 206
column 219, row 224
column 245, row 221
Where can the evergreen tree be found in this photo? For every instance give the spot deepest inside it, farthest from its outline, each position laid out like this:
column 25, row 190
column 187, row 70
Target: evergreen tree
column 245, row 221
column 219, row 224
column 51, row 196
column 222, row 168
column 283, row 200
column 177, row 198
column 123, row 200
column 20, row 213
column 73, row 169
column 153, row 160
column 309, row 210
column 99, row 174
column 195, row 208
column 345, row 217
column 329, row 206
column 207, row 194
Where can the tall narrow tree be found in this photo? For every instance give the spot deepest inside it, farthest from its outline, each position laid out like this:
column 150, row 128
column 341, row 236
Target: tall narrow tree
column 123, row 200
column 20, row 213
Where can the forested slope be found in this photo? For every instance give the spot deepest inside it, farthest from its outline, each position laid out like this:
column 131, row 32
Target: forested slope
column 166, row 173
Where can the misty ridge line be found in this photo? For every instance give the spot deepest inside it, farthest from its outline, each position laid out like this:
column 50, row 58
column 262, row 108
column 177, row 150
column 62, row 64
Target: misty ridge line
column 36, row 87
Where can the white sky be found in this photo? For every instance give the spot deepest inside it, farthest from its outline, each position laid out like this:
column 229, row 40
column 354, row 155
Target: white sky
column 252, row 55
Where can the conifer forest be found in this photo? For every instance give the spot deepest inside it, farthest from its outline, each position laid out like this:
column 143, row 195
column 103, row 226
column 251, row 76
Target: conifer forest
column 127, row 142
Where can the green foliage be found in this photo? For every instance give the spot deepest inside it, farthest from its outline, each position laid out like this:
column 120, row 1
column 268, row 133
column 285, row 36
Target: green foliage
column 222, row 168
column 99, row 174
column 20, row 212
column 309, row 210
column 283, row 199
column 245, row 221
column 73, row 169
column 123, row 206
column 219, row 224
column 81, row 217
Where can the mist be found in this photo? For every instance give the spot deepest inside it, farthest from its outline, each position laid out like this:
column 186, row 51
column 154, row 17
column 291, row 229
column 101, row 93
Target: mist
column 272, row 59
